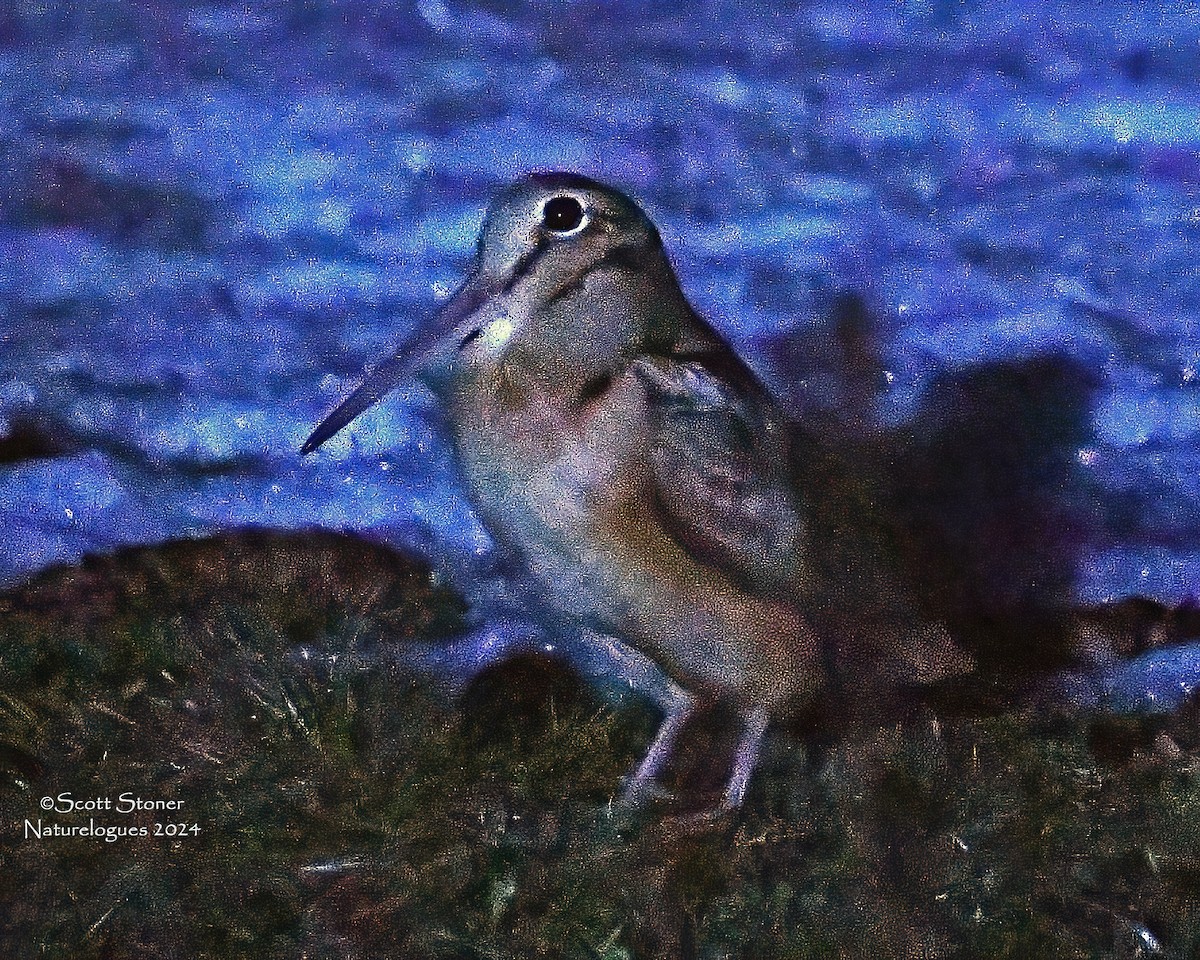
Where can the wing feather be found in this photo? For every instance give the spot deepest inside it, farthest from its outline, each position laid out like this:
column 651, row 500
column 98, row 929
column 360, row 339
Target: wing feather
column 719, row 457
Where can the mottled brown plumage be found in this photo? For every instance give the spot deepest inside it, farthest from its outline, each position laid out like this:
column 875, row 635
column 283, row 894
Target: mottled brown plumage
column 645, row 478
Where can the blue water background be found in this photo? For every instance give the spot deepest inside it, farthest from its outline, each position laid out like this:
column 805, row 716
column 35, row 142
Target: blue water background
column 212, row 216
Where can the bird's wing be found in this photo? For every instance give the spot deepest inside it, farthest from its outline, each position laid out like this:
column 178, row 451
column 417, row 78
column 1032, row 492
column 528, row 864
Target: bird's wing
column 719, row 462
column 726, row 486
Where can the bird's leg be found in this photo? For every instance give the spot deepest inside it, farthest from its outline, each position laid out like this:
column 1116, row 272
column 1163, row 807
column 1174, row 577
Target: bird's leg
column 610, row 657
column 678, row 712
column 745, row 758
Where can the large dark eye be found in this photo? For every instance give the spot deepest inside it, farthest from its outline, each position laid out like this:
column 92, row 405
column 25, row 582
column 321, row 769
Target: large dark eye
column 562, row 214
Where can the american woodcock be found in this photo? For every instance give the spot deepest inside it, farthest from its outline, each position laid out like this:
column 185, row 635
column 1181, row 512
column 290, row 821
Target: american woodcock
column 642, row 474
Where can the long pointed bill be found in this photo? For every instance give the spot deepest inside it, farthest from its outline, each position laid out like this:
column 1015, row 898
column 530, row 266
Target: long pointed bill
column 435, row 344
column 379, row 383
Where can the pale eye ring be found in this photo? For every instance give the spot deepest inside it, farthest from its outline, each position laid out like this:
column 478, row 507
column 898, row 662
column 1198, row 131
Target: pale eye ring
column 564, row 215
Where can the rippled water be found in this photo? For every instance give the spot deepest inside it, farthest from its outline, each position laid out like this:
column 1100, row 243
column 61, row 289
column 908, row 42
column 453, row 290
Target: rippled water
column 214, row 215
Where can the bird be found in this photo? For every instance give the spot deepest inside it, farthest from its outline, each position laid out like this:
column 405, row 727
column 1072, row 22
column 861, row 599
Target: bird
column 644, row 478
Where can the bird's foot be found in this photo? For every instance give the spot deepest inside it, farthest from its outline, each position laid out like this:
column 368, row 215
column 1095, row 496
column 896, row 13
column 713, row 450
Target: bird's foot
column 642, row 788
column 745, row 759
column 640, row 793
column 642, row 785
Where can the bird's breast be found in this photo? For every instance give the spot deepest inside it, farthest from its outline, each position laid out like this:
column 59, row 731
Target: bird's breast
column 537, row 461
column 569, row 489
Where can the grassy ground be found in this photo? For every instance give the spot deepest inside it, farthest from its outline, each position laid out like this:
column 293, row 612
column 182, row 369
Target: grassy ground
column 348, row 809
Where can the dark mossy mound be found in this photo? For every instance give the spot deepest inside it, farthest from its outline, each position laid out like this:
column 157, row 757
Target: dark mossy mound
column 299, row 584
column 347, row 809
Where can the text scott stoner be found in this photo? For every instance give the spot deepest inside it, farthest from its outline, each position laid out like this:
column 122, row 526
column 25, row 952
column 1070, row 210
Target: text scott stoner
column 125, row 803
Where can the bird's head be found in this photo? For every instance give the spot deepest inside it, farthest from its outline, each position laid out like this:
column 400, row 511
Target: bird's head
column 569, row 279
column 556, row 228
